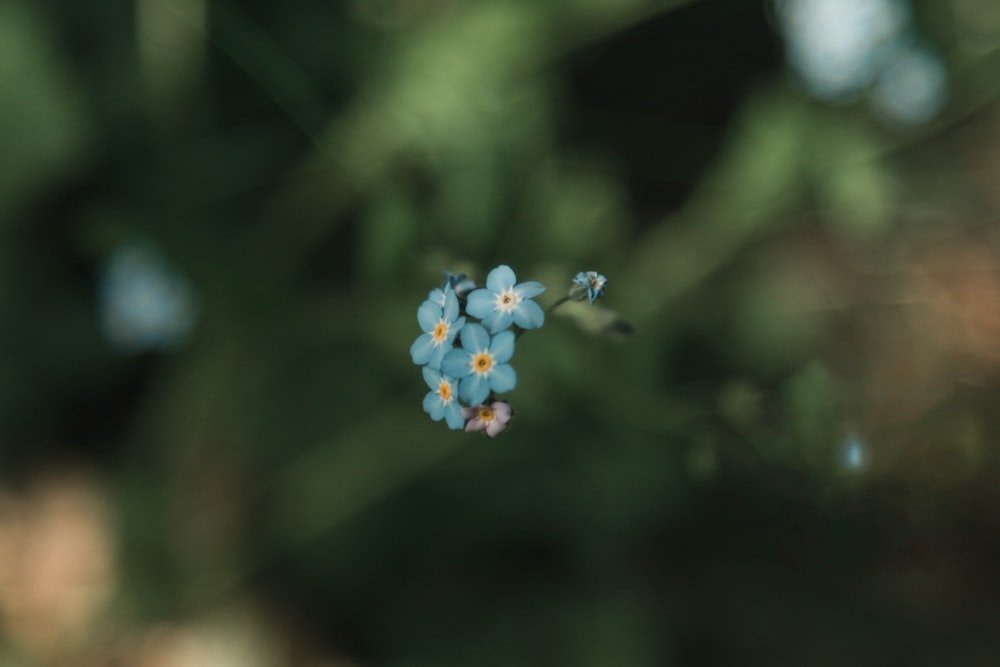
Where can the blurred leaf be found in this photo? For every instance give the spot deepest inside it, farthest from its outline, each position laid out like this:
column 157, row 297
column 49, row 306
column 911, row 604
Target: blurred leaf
column 597, row 320
column 575, row 211
column 43, row 125
column 755, row 180
column 855, row 188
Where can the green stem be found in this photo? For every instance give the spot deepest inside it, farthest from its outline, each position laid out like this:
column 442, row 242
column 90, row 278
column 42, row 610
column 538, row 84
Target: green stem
column 557, row 304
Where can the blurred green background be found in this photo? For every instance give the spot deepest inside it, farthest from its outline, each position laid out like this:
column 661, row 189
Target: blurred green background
column 218, row 219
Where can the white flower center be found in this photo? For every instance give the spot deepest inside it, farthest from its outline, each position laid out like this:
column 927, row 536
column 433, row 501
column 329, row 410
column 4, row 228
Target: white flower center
column 506, row 301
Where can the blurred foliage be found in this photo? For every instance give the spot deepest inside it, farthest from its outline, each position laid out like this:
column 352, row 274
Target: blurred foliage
column 789, row 461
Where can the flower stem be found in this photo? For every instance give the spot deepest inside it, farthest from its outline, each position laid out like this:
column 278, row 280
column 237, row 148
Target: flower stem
column 557, row 304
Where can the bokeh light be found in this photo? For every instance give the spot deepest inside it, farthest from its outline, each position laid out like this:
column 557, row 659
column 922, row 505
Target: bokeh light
column 835, row 47
column 912, row 86
column 145, row 303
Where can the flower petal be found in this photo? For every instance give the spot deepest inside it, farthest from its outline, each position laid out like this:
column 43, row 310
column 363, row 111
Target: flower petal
column 421, row 349
column 497, row 321
column 529, row 289
column 436, row 356
column 437, row 407
column 474, row 389
column 502, row 411
column 495, row 427
column 502, row 347
column 453, row 415
column 480, row 303
column 456, row 363
column 501, row 279
column 453, row 330
column 431, row 377
column 430, row 399
column 436, row 296
column 450, row 306
column 528, row 315
column 474, row 337
column 502, row 378
column 428, row 315
column 475, row 425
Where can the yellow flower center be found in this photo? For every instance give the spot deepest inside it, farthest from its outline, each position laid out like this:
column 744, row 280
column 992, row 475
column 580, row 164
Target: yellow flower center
column 595, row 283
column 444, row 391
column 440, row 332
column 482, row 362
column 485, row 414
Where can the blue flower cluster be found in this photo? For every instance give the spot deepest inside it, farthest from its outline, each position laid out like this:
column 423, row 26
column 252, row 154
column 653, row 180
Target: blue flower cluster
column 469, row 361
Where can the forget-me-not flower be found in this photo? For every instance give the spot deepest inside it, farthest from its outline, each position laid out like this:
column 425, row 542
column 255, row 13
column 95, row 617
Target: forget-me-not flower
column 503, row 302
column 492, row 418
column 481, row 363
column 590, row 284
column 441, row 402
column 438, row 317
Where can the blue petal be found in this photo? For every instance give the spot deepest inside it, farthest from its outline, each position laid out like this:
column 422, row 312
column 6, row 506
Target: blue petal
column 429, row 400
column 502, row 378
column 502, row 347
column 474, row 389
column 437, row 354
column 421, row 349
column 581, row 279
column 528, row 315
column 475, row 338
column 437, row 407
column 456, row 363
column 431, row 377
column 453, row 415
column 480, row 303
column 501, row 279
column 428, row 315
column 436, row 296
column 450, row 306
column 453, row 331
column 529, row 289
column 498, row 320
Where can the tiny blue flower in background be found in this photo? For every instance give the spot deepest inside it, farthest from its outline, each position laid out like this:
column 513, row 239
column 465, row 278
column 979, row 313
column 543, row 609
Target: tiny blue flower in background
column 441, row 324
column 481, row 363
column 145, row 304
column 592, row 284
column 492, row 418
column 853, row 453
column 459, row 283
column 441, row 401
column 503, row 302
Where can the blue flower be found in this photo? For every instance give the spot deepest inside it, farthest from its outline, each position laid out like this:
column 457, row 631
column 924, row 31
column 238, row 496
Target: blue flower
column 503, row 302
column 437, row 317
column 441, row 402
column 481, row 363
column 593, row 284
